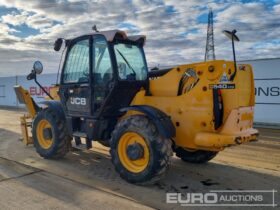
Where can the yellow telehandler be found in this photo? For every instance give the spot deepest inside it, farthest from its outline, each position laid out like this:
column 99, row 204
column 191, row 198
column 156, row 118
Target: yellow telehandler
column 107, row 94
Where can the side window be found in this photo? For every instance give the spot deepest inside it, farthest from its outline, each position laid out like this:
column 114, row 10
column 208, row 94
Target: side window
column 103, row 72
column 76, row 69
column 131, row 62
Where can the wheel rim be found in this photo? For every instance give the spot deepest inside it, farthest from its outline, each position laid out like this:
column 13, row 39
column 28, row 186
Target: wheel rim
column 134, row 166
column 45, row 143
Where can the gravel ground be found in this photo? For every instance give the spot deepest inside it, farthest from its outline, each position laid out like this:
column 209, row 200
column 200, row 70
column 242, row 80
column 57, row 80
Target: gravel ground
column 87, row 180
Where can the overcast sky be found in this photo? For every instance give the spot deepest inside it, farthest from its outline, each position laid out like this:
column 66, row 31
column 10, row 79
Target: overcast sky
column 175, row 29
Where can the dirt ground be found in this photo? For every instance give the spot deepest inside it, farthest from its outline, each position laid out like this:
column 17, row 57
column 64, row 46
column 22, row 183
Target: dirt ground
column 87, row 180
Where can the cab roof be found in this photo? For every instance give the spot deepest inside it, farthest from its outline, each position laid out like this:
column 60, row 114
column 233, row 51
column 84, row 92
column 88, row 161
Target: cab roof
column 110, row 35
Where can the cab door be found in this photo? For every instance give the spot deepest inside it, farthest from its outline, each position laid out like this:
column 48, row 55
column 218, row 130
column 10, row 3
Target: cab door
column 75, row 91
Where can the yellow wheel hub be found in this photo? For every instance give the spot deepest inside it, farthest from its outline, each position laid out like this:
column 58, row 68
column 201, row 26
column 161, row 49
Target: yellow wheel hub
column 45, row 143
column 128, row 140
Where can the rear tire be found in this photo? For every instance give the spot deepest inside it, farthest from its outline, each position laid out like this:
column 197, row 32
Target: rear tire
column 198, row 156
column 157, row 150
column 57, row 145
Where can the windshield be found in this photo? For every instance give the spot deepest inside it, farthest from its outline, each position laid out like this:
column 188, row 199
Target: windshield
column 131, row 62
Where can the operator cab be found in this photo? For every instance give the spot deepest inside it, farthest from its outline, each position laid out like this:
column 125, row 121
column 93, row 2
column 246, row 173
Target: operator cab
column 101, row 74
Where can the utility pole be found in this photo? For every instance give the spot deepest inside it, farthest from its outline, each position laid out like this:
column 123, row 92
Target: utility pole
column 210, row 46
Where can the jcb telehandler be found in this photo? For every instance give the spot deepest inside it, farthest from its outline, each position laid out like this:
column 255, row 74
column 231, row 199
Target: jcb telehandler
column 107, row 94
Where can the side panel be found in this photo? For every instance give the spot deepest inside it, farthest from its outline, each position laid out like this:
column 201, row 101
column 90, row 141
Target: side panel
column 77, row 100
column 192, row 112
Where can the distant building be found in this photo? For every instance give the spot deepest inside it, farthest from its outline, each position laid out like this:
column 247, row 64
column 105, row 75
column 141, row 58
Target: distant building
column 267, row 90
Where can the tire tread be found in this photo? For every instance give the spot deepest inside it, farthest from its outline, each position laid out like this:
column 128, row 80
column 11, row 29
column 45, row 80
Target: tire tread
column 162, row 149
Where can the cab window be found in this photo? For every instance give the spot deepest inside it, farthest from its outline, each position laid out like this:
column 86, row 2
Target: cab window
column 76, row 68
column 102, row 72
column 131, row 62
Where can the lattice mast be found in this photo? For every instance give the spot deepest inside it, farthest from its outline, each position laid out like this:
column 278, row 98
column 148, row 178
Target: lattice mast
column 210, row 45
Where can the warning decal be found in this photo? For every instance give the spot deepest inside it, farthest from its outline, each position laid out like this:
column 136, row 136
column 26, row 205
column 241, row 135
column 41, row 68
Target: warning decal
column 224, row 78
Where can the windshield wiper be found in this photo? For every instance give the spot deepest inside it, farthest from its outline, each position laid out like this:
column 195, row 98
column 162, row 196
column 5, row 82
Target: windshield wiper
column 126, row 62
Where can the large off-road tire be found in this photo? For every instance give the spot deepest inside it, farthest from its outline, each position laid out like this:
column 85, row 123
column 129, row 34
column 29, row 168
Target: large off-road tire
column 50, row 134
column 198, row 156
column 139, row 153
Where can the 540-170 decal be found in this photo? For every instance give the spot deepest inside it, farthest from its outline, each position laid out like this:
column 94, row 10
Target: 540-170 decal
column 222, row 86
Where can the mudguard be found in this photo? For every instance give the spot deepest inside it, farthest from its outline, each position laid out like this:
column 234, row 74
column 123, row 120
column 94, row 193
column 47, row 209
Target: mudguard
column 162, row 121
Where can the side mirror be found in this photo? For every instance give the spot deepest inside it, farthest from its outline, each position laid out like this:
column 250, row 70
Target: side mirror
column 38, row 67
column 57, row 44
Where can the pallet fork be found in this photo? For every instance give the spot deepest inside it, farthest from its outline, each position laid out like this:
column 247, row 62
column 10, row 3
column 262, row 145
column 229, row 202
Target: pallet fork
column 24, row 97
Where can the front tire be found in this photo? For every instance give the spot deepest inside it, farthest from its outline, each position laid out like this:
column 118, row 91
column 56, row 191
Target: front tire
column 139, row 153
column 50, row 134
column 198, row 156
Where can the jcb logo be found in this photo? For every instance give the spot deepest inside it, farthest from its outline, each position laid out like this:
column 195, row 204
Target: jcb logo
column 78, row 101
